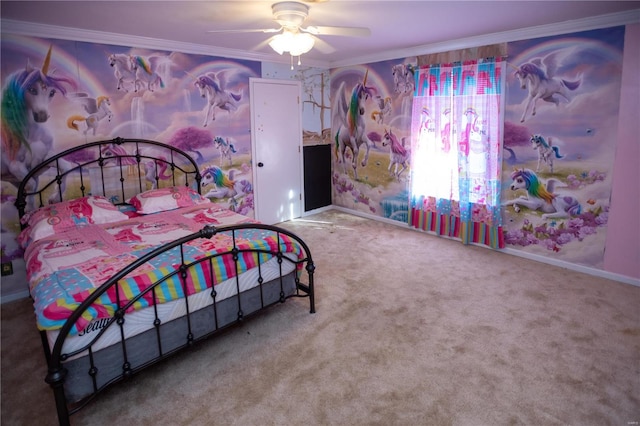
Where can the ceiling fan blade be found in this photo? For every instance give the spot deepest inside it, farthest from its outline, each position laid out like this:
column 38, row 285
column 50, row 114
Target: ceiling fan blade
column 323, row 46
column 263, row 30
column 338, row 31
column 262, row 44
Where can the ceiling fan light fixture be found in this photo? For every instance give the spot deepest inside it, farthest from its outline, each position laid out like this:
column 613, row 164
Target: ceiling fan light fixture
column 294, row 43
column 278, row 43
column 302, row 43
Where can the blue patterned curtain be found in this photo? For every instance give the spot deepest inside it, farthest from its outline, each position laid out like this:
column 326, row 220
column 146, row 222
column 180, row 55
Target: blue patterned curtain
column 457, row 151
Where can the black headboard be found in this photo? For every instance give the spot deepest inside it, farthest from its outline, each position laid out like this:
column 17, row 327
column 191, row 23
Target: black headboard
column 112, row 168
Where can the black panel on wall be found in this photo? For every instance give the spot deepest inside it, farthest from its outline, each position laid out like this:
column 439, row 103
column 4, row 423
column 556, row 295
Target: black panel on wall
column 317, row 176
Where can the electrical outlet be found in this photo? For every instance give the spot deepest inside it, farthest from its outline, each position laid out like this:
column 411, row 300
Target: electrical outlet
column 7, row 269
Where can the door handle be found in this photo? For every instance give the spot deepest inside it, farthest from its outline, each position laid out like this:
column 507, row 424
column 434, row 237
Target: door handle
column 260, row 164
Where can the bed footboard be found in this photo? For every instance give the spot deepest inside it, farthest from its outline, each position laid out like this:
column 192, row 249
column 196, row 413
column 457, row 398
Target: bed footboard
column 79, row 375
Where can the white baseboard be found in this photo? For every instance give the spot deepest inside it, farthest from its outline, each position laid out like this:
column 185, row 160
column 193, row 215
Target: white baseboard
column 320, row 210
column 572, row 266
column 14, row 296
column 542, row 259
column 372, row 217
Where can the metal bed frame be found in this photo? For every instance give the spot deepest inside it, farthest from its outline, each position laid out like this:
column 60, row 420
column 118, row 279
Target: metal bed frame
column 88, row 366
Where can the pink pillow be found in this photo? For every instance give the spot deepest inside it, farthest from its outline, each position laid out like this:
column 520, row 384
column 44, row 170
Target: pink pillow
column 59, row 217
column 158, row 200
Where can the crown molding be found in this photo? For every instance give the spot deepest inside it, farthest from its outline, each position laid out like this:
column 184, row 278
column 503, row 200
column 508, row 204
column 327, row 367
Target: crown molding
column 75, row 34
column 547, row 30
column 67, row 33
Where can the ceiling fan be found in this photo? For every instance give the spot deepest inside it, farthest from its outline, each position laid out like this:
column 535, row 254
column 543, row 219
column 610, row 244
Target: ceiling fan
column 293, row 37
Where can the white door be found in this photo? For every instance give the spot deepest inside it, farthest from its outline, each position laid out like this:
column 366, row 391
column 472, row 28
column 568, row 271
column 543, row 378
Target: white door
column 276, row 144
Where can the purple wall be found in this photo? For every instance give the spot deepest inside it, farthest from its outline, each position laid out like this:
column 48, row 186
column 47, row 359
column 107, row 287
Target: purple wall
column 622, row 253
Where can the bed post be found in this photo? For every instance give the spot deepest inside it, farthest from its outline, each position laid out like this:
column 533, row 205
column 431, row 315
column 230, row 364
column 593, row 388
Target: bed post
column 45, row 346
column 312, row 302
column 21, row 204
column 55, row 378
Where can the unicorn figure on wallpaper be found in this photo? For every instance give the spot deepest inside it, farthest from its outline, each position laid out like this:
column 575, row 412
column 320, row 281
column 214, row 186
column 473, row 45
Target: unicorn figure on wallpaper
column 212, row 86
column 348, row 116
column 226, row 149
column 26, row 97
column 98, row 108
column 398, row 154
column 546, row 151
column 224, row 186
column 122, row 70
column 384, row 109
column 541, row 197
column 403, row 78
column 538, row 77
column 145, row 73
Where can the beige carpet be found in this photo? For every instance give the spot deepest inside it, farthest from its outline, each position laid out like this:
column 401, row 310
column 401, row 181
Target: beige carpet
column 411, row 329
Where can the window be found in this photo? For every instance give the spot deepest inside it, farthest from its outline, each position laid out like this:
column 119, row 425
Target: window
column 457, row 151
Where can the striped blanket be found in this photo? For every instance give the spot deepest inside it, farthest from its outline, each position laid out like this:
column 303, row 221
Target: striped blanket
column 63, row 270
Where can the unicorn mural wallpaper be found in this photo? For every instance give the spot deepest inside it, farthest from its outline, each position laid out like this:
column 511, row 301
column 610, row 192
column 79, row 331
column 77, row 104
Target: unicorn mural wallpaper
column 563, row 91
column 57, row 94
column 212, row 86
column 26, row 104
column 560, row 126
column 370, row 129
column 97, row 109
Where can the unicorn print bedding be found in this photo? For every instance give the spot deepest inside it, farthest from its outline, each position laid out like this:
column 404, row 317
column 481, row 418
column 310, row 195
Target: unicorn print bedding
column 64, row 268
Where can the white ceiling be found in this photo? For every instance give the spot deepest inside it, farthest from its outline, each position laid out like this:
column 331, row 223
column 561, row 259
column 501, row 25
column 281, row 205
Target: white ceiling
column 398, row 28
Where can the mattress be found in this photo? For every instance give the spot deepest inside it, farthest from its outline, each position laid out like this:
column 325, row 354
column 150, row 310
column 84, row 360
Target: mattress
column 142, row 320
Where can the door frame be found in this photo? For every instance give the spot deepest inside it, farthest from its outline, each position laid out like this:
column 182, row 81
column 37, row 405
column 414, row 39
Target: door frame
column 254, row 156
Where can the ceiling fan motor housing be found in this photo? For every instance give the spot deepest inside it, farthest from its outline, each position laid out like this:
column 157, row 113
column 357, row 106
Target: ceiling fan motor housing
column 290, row 14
